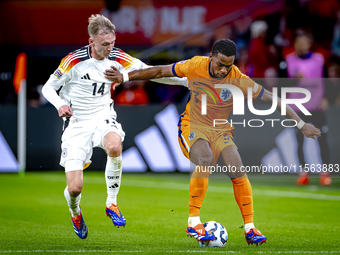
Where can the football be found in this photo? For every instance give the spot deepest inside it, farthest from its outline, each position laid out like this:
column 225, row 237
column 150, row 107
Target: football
column 220, row 233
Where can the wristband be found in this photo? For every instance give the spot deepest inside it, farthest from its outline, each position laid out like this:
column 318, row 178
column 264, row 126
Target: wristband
column 125, row 77
column 300, row 124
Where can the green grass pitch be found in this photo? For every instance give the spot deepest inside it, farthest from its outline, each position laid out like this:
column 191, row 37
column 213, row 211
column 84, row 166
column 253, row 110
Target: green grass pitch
column 34, row 217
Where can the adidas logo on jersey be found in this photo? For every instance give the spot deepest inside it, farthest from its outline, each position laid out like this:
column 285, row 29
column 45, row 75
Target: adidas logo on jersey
column 86, row 77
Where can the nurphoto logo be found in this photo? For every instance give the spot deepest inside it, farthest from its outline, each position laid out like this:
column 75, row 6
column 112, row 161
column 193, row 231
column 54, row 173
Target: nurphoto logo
column 238, row 105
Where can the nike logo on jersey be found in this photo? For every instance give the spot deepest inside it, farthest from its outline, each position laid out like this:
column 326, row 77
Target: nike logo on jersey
column 86, row 77
column 246, row 204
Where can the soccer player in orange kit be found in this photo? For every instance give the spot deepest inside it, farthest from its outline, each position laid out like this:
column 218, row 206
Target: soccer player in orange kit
column 201, row 141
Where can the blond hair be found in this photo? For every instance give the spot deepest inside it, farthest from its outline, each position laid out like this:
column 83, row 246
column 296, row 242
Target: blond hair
column 99, row 24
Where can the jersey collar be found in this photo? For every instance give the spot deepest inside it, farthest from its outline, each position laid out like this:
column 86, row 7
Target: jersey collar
column 89, row 50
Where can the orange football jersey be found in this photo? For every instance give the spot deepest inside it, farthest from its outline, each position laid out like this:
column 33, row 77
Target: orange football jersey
column 219, row 100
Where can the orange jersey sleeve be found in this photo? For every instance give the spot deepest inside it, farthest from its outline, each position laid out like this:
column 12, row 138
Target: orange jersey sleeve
column 196, row 67
column 245, row 82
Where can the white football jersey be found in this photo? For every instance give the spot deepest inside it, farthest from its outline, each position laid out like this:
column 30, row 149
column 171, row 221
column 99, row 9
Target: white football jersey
column 81, row 83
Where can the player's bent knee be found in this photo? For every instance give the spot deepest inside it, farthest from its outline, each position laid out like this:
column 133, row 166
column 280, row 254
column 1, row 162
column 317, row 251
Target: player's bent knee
column 112, row 144
column 75, row 190
column 75, row 187
column 114, row 149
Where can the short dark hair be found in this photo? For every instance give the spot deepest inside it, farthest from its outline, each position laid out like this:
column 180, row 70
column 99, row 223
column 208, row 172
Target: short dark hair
column 224, row 46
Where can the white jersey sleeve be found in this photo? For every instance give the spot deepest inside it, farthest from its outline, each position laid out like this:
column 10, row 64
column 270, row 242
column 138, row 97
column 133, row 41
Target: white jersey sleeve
column 131, row 64
column 54, row 84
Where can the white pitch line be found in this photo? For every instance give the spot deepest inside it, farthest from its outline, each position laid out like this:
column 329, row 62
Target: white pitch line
column 68, row 251
column 184, row 251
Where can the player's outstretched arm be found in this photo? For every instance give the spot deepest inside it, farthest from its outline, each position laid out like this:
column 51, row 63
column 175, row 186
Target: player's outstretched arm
column 143, row 74
column 307, row 129
column 311, row 131
column 152, row 73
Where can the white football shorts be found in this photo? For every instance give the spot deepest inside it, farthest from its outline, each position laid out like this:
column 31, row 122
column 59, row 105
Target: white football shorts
column 79, row 139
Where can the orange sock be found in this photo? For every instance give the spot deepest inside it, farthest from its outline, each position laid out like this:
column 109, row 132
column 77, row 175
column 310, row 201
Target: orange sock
column 244, row 198
column 198, row 188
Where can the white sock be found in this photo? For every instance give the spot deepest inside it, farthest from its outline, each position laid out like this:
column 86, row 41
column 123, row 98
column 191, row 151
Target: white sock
column 73, row 203
column 113, row 174
column 248, row 227
column 193, row 221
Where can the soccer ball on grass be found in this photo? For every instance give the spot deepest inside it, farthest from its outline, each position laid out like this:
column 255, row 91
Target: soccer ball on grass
column 219, row 232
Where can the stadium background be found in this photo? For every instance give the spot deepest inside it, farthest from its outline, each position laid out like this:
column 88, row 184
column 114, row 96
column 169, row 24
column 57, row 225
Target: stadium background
column 159, row 32
column 33, row 212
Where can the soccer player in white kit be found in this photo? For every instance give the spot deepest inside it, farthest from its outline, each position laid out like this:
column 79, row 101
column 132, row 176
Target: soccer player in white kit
column 81, row 94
